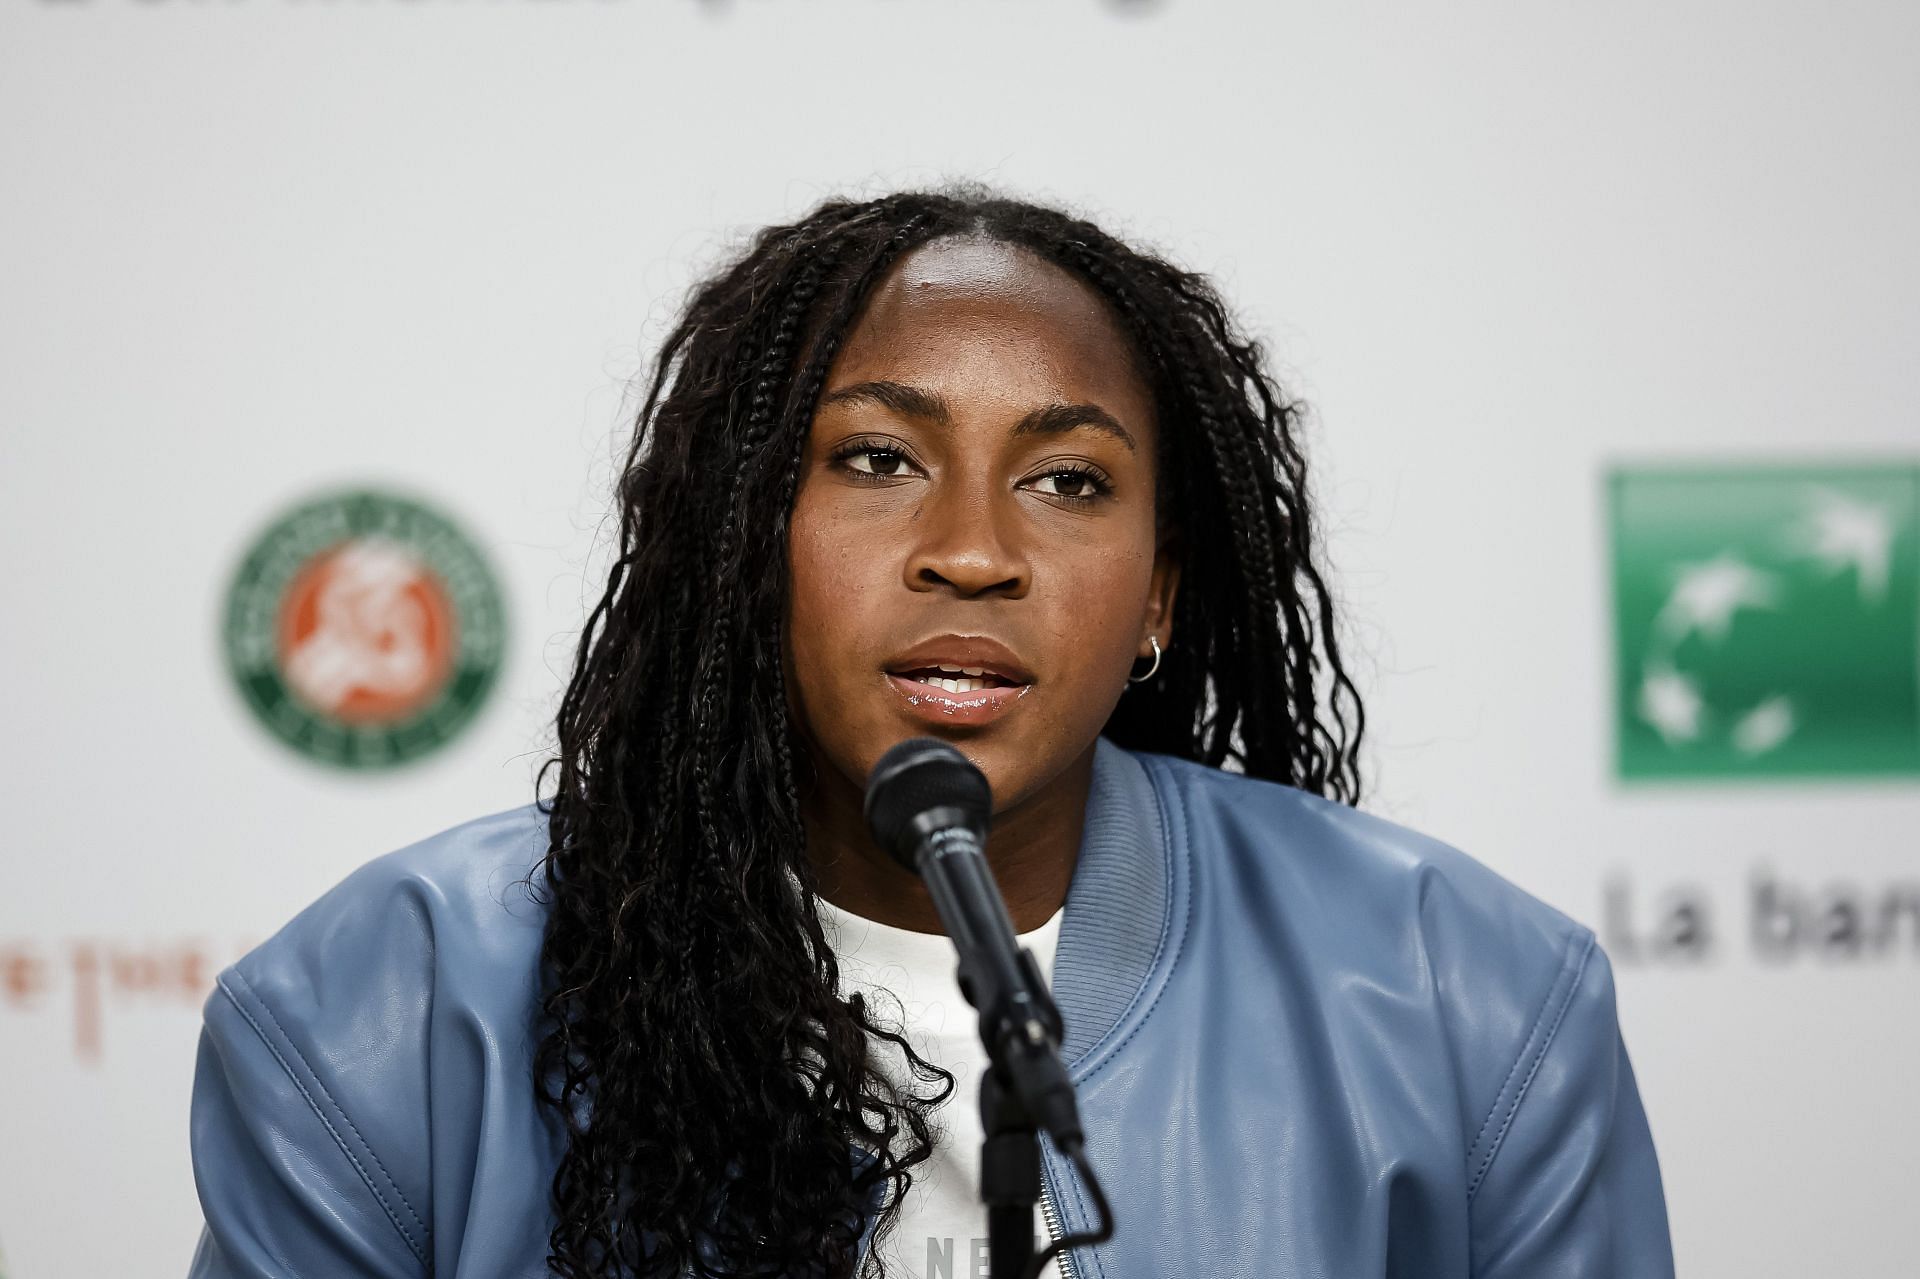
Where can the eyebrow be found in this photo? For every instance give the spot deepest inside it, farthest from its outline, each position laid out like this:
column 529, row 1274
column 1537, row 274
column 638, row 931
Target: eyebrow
column 915, row 401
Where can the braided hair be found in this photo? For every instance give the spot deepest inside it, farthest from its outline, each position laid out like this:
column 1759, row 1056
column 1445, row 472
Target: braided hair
column 722, row 1110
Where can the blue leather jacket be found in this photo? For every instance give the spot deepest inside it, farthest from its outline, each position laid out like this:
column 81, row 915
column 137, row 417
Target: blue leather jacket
column 1309, row 1042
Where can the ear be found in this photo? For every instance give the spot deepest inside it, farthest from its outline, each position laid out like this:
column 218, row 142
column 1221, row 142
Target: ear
column 1161, row 591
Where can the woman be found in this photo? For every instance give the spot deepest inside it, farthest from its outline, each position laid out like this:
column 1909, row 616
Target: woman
column 952, row 465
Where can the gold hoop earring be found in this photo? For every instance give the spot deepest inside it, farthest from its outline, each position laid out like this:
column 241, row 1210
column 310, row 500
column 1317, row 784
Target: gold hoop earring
column 1137, row 679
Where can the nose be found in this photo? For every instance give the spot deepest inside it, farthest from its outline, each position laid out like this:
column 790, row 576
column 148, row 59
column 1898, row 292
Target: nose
column 968, row 539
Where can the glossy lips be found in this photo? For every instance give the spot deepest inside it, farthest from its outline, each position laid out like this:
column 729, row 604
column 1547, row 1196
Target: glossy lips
column 965, row 658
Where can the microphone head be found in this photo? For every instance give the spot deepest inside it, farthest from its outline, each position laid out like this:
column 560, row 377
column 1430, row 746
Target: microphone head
column 920, row 774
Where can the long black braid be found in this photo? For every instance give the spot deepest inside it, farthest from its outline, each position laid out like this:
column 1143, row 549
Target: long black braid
column 713, row 1084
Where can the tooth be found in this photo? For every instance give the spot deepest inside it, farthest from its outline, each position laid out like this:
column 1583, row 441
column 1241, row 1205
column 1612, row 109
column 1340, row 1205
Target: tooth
column 973, row 670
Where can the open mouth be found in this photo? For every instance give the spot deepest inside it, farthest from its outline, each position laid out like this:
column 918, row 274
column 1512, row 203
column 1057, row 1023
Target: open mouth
column 956, row 696
column 956, row 679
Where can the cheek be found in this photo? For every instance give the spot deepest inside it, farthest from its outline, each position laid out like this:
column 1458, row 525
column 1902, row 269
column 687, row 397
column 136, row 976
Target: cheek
column 1096, row 605
column 829, row 573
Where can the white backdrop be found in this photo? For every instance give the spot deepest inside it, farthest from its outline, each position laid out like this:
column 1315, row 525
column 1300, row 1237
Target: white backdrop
column 254, row 248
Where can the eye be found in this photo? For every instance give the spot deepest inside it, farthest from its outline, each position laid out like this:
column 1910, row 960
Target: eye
column 877, row 461
column 871, row 460
column 1075, row 485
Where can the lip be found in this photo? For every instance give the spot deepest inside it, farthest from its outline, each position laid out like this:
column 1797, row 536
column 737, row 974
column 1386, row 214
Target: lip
column 937, row 705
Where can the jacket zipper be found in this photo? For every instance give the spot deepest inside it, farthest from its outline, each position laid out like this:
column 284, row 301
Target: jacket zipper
column 1055, row 1232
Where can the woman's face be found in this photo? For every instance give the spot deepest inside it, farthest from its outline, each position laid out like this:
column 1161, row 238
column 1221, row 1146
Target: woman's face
column 977, row 492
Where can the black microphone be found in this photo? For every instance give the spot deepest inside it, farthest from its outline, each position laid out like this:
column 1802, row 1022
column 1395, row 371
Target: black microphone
column 928, row 806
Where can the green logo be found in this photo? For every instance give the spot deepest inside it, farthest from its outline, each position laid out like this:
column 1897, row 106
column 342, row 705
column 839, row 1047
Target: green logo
column 1767, row 620
column 364, row 629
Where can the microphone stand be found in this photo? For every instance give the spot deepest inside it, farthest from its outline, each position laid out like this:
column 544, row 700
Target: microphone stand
column 1009, row 1176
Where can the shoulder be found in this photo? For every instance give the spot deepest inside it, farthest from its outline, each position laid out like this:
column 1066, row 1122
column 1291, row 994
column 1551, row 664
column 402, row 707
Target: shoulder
column 1372, row 873
column 1474, row 970
column 420, row 916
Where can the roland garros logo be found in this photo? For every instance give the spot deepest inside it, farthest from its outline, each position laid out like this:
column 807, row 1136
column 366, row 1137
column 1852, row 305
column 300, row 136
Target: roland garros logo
column 364, row 629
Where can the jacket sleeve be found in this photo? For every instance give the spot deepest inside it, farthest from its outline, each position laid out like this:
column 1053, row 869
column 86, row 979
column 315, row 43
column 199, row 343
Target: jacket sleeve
column 288, row 1184
column 1563, row 1181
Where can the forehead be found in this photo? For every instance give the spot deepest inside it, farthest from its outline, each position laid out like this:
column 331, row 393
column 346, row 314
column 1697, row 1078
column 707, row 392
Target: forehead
column 959, row 309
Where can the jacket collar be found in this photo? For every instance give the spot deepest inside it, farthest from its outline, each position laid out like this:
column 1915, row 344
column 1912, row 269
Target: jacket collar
column 1119, row 924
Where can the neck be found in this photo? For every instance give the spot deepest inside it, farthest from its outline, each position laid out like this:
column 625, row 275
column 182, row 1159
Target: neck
column 1032, row 846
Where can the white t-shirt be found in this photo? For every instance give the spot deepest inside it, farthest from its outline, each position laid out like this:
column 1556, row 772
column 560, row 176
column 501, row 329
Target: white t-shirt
column 909, row 978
